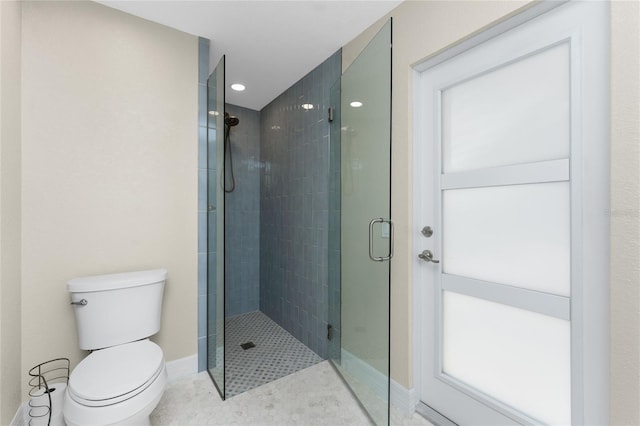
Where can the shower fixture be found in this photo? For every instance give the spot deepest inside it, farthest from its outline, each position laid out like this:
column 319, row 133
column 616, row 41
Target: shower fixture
column 229, row 121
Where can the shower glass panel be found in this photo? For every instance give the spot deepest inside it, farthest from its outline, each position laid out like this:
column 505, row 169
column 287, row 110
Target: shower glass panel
column 215, row 226
column 361, row 148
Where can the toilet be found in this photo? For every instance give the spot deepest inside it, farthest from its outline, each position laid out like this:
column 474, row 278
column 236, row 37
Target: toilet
column 122, row 380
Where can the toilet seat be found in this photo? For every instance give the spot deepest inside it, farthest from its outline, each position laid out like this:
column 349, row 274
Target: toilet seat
column 112, row 375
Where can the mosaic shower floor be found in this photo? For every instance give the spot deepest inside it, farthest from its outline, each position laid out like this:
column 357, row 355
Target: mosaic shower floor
column 276, row 353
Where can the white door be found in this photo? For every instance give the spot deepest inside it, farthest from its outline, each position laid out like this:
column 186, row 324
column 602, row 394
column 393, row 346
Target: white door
column 512, row 290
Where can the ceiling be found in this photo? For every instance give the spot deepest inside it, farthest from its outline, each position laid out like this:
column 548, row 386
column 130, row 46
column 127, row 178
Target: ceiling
column 269, row 45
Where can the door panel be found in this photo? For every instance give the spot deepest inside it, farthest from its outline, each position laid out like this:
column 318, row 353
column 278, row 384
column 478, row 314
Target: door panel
column 519, row 357
column 365, row 233
column 510, row 226
column 503, row 125
column 516, row 113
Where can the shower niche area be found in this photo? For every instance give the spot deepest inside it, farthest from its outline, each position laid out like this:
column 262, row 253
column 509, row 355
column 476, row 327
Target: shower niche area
column 275, row 181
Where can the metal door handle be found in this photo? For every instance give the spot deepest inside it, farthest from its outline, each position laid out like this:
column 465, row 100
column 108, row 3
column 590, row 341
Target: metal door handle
column 380, row 258
column 427, row 256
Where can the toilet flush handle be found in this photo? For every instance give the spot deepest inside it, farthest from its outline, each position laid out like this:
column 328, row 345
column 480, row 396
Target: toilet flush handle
column 81, row 302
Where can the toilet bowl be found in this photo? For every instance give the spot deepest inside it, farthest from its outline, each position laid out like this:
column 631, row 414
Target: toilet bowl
column 116, row 386
column 122, row 380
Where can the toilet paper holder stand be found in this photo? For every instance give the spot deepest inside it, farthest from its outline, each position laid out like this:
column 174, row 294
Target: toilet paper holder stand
column 44, row 379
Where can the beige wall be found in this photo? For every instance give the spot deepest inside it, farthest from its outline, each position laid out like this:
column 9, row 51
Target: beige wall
column 625, row 213
column 109, row 162
column 422, row 28
column 11, row 376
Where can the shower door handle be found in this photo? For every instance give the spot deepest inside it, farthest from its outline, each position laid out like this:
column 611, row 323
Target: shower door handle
column 371, row 255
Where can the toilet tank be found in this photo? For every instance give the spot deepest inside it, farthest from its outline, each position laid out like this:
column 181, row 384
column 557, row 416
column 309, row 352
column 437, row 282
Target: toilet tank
column 118, row 308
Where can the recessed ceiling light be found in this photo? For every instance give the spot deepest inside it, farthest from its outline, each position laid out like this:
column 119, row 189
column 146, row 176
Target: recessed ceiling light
column 238, row 87
column 307, row 106
column 356, row 104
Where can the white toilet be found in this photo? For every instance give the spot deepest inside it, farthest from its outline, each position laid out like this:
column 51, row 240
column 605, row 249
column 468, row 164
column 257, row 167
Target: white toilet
column 122, row 380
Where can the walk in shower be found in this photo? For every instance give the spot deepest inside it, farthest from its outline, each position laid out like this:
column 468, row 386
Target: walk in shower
column 259, row 346
column 288, row 283
column 268, row 232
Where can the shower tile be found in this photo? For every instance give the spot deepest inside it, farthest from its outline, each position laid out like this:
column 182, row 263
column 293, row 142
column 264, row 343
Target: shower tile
column 202, row 103
column 211, row 149
column 202, row 147
column 202, row 353
column 294, row 204
column 203, row 64
column 202, row 232
column 212, row 228
column 202, row 274
column 202, row 190
column 203, row 60
column 211, row 268
column 242, row 211
column 212, row 177
column 275, row 355
column 202, row 319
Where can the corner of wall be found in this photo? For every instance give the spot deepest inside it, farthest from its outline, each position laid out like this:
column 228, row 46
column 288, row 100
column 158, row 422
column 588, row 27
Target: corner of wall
column 10, row 210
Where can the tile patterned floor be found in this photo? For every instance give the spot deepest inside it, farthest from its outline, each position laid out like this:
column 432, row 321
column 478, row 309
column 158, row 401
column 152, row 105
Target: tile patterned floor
column 310, row 397
column 276, row 353
column 301, row 390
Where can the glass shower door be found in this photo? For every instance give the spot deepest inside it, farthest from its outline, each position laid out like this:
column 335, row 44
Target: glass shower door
column 361, row 233
column 215, row 226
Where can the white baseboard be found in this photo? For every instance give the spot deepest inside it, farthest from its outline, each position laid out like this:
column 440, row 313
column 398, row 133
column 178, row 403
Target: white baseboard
column 181, row 368
column 21, row 415
column 402, row 398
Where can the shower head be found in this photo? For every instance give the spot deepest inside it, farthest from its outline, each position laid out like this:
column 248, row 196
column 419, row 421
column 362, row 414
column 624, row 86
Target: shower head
column 231, row 120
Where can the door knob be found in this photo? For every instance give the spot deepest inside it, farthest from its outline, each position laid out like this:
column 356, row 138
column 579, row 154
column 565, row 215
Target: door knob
column 427, row 256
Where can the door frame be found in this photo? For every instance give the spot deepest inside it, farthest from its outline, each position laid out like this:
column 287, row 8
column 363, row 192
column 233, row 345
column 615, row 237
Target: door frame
column 590, row 248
